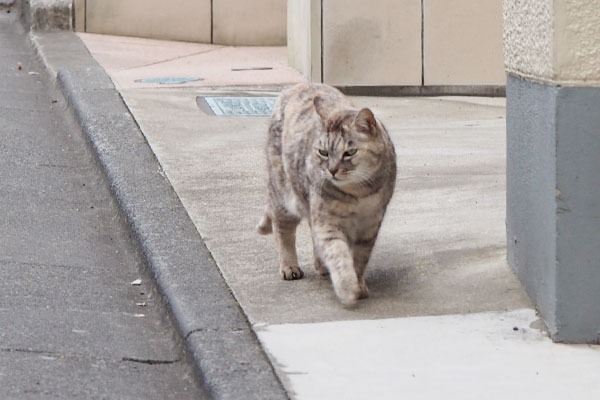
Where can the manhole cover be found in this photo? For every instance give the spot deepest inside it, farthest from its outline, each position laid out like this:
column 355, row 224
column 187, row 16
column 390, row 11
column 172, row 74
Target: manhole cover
column 241, row 105
column 170, row 80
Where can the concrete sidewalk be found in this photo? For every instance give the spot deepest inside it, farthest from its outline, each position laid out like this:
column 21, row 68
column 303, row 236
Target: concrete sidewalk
column 446, row 316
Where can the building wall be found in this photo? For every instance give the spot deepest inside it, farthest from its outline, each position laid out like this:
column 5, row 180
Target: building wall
column 577, row 22
column 528, row 32
column 228, row 22
column 372, row 43
column 345, row 42
column 247, row 23
column 553, row 41
column 463, row 42
column 404, row 42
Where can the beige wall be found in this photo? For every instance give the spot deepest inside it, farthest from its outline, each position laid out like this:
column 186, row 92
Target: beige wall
column 187, row 20
column 577, row 41
column 243, row 22
column 379, row 43
column 463, row 42
column 229, row 22
column 368, row 43
column 375, row 43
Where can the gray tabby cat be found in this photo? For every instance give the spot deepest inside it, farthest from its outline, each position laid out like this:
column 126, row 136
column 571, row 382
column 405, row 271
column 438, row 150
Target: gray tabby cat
column 336, row 166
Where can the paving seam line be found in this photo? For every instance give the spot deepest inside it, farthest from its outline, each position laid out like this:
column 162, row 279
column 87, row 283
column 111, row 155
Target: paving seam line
column 228, row 357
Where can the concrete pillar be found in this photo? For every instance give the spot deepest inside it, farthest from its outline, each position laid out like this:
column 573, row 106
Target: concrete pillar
column 79, row 15
column 552, row 57
column 304, row 37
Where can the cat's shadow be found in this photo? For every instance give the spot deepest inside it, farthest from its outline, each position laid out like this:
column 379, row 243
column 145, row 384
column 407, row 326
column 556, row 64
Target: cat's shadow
column 388, row 280
column 383, row 281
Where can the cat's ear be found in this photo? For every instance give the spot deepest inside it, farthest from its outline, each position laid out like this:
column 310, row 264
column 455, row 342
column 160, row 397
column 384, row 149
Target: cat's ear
column 365, row 121
column 320, row 108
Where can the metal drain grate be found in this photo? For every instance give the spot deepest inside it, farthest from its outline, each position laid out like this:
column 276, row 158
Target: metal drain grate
column 224, row 106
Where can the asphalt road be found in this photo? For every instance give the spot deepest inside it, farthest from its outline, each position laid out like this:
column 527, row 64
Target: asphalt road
column 72, row 325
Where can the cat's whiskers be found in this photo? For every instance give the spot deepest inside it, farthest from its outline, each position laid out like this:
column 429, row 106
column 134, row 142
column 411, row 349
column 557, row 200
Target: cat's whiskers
column 362, row 179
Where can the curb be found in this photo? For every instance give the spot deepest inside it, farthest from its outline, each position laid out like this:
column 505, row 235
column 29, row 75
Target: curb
column 7, row 3
column 227, row 355
column 47, row 15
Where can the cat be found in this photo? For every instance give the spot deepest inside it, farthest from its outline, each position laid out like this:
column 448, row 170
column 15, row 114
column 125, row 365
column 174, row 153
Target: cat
column 335, row 166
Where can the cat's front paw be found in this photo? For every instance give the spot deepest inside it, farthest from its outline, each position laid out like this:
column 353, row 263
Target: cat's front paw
column 290, row 273
column 348, row 296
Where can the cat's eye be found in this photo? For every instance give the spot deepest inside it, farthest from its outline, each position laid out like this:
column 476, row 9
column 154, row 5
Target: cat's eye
column 350, row 153
column 324, row 153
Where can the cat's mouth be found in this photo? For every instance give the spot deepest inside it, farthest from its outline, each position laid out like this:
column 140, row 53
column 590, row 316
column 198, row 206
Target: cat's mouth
column 339, row 180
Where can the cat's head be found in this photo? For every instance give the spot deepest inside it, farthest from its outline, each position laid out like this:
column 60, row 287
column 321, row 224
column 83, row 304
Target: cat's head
column 349, row 148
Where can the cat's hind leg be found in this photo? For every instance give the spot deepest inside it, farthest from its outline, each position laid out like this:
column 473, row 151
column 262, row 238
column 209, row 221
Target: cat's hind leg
column 284, row 230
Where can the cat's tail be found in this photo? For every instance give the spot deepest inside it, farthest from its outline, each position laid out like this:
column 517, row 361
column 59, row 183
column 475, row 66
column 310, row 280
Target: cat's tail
column 265, row 226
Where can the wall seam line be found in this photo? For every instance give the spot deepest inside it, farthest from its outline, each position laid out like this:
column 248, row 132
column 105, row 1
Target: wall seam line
column 422, row 42
column 212, row 22
column 322, row 46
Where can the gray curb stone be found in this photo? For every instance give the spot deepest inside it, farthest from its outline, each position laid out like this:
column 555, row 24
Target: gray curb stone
column 6, row 3
column 48, row 15
column 227, row 354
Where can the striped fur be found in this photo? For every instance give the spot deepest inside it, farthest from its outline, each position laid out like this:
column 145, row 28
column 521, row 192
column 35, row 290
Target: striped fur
column 335, row 166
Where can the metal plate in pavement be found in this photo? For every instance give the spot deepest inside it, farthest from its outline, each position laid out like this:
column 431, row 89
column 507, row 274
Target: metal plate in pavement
column 241, row 106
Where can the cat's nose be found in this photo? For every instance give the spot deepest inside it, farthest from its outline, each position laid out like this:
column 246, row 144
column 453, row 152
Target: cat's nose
column 333, row 171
